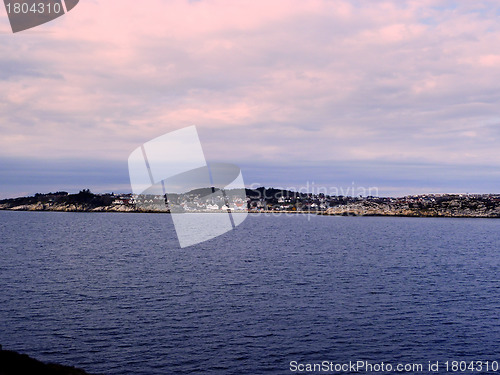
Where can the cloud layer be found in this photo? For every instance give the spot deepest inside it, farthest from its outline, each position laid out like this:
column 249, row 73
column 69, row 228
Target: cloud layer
column 287, row 83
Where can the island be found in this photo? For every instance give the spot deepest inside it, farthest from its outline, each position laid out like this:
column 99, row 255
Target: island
column 264, row 200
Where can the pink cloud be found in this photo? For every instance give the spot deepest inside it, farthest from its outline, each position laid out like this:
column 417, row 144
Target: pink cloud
column 490, row 60
column 325, row 75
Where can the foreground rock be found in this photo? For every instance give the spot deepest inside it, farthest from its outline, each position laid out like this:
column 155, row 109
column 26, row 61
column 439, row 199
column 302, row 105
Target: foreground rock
column 13, row 363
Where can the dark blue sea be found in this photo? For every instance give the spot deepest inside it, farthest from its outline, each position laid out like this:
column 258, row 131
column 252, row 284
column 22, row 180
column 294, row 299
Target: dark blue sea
column 115, row 294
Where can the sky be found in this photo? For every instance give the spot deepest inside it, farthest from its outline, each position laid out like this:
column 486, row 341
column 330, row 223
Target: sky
column 398, row 96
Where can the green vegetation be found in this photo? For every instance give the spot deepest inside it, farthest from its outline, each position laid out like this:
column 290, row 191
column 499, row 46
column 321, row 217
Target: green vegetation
column 85, row 198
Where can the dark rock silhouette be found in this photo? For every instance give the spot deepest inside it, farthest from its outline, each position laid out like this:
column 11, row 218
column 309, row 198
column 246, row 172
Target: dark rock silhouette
column 13, row 363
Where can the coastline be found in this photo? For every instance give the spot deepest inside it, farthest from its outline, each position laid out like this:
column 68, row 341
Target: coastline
column 265, row 201
column 350, row 211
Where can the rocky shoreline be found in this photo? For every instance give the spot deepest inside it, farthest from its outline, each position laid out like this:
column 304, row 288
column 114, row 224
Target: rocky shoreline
column 453, row 209
column 355, row 209
column 264, row 200
column 70, row 208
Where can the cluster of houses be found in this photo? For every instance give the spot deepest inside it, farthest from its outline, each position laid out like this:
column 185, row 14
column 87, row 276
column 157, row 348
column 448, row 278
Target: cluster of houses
column 445, row 205
column 266, row 200
column 287, row 201
column 185, row 202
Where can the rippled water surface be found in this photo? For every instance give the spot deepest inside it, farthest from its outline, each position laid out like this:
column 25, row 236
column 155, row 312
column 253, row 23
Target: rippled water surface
column 114, row 293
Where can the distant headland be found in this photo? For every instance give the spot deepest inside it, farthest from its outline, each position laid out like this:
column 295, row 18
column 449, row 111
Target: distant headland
column 267, row 200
